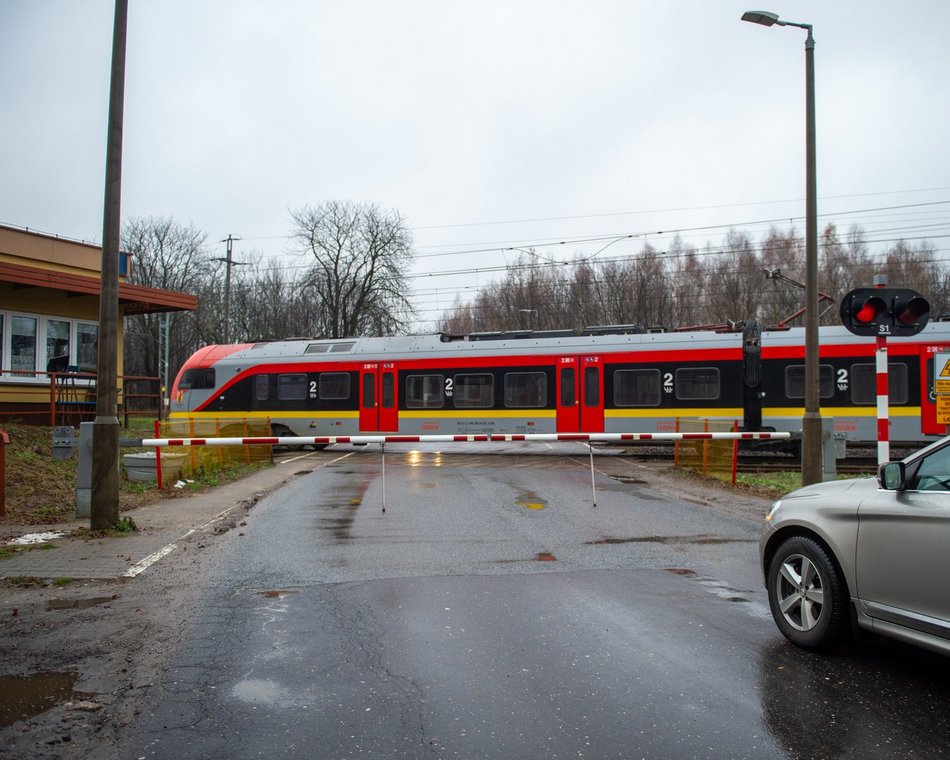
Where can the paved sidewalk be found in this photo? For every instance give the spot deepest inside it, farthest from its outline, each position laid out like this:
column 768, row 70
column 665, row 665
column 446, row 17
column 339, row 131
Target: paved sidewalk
column 161, row 526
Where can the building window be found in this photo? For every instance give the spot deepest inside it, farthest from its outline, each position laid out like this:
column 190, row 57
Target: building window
column 57, row 345
column 87, row 347
column 33, row 344
column 23, row 344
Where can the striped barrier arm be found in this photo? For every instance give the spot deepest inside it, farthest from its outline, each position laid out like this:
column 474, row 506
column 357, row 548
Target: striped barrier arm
column 483, row 437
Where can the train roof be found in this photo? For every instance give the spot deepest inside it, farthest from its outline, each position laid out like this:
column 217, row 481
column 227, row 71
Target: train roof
column 542, row 342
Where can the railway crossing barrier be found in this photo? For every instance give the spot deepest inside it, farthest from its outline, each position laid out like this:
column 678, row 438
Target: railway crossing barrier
column 382, row 440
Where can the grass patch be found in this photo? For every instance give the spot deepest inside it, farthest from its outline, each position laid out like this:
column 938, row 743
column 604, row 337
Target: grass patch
column 770, row 483
column 121, row 527
column 6, row 552
column 60, row 582
column 26, row 581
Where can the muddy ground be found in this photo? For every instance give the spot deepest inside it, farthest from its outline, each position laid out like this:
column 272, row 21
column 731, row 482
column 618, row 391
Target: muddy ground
column 113, row 639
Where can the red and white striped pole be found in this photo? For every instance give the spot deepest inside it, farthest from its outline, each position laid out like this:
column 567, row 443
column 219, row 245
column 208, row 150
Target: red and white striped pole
column 880, row 365
column 883, row 421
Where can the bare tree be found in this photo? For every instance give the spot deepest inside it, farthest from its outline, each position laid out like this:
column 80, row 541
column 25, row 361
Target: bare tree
column 361, row 258
column 172, row 256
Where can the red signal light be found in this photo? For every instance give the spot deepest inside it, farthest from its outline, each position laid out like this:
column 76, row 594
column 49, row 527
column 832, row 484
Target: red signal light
column 870, row 310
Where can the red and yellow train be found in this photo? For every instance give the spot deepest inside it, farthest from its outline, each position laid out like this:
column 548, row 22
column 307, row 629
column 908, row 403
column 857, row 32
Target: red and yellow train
column 605, row 379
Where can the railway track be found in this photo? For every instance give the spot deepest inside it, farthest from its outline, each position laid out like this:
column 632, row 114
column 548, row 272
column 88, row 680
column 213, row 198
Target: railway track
column 763, row 462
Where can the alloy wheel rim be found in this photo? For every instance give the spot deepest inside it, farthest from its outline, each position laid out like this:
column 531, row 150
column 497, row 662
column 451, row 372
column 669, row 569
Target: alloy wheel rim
column 799, row 591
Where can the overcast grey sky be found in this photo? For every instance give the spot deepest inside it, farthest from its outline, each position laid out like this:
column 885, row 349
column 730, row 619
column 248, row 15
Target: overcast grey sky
column 488, row 125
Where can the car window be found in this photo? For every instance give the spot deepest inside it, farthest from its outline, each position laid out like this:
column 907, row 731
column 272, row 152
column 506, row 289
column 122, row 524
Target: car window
column 933, row 474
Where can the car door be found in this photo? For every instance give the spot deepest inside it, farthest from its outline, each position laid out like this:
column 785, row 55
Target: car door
column 903, row 549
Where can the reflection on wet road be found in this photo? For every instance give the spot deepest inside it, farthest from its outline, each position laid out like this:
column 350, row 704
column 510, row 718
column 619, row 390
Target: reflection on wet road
column 494, row 612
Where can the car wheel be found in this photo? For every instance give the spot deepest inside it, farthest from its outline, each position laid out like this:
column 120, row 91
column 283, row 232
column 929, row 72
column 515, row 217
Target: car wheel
column 807, row 594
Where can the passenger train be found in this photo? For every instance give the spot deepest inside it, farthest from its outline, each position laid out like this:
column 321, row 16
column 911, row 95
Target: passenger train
column 604, row 379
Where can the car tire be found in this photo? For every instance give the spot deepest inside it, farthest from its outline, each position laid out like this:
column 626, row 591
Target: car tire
column 807, row 594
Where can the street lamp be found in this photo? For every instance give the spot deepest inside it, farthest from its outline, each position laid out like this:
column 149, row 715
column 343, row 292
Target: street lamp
column 811, row 422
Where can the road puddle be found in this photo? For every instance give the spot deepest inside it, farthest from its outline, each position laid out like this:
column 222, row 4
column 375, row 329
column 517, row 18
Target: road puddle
column 79, row 604
column 531, row 501
column 24, row 697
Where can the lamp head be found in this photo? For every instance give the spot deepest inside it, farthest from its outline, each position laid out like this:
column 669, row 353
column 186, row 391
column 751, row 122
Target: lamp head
column 765, row 18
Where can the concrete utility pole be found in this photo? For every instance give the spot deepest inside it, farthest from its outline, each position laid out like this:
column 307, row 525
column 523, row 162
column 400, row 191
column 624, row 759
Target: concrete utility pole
column 227, row 285
column 104, row 509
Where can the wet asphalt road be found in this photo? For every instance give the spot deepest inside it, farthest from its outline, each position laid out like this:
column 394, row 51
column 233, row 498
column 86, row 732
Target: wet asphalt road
column 494, row 612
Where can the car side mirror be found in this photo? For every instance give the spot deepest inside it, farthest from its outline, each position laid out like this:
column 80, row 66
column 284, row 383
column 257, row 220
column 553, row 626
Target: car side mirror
column 891, row 476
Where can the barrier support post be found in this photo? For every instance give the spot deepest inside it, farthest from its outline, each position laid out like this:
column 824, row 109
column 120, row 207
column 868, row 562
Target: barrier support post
column 382, row 454
column 593, row 486
column 4, row 442
column 158, row 457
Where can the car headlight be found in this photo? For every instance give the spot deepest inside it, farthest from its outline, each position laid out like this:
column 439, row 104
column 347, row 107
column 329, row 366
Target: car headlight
column 775, row 508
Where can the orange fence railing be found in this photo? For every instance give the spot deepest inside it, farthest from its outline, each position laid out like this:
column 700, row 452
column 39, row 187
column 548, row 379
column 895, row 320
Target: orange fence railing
column 62, row 398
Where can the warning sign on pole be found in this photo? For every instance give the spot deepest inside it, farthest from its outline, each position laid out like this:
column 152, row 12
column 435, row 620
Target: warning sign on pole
column 942, row 373
column 943, row 410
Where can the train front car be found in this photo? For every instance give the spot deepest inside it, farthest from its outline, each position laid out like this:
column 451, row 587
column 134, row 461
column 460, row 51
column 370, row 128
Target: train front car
column 201, row 380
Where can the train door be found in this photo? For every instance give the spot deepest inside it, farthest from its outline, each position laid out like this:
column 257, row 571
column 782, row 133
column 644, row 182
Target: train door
column 378, row 410
column 580, row 394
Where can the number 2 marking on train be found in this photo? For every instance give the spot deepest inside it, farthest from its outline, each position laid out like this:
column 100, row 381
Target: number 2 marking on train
column 667, row 382
column 449, row 383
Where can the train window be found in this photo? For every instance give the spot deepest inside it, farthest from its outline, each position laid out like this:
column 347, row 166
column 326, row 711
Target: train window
column 474, row 391
column 864, row 384
column 334, row 386
column 389, row 390
column 369, row 391
column 342, row 348
column 425, row 391
column 568, row 392
column 197, row 379
column 795, row 381
column 697, row 383
column 292, row 387
column 526, row 389
column 317, row 348
column 591, row 386
column 637, row 387
column 262, row 387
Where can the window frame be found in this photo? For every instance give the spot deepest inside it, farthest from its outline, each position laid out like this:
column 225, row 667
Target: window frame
column 618, row 386
column 678, row 383
column 509, row 391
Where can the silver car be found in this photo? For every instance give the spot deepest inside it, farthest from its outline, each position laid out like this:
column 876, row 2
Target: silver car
column 871, row 553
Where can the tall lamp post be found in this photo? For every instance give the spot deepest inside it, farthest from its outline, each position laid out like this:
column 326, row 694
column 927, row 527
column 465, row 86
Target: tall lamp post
column 811, row 422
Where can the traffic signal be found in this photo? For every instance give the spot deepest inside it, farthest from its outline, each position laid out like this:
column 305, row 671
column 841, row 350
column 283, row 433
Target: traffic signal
column 884, row 311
